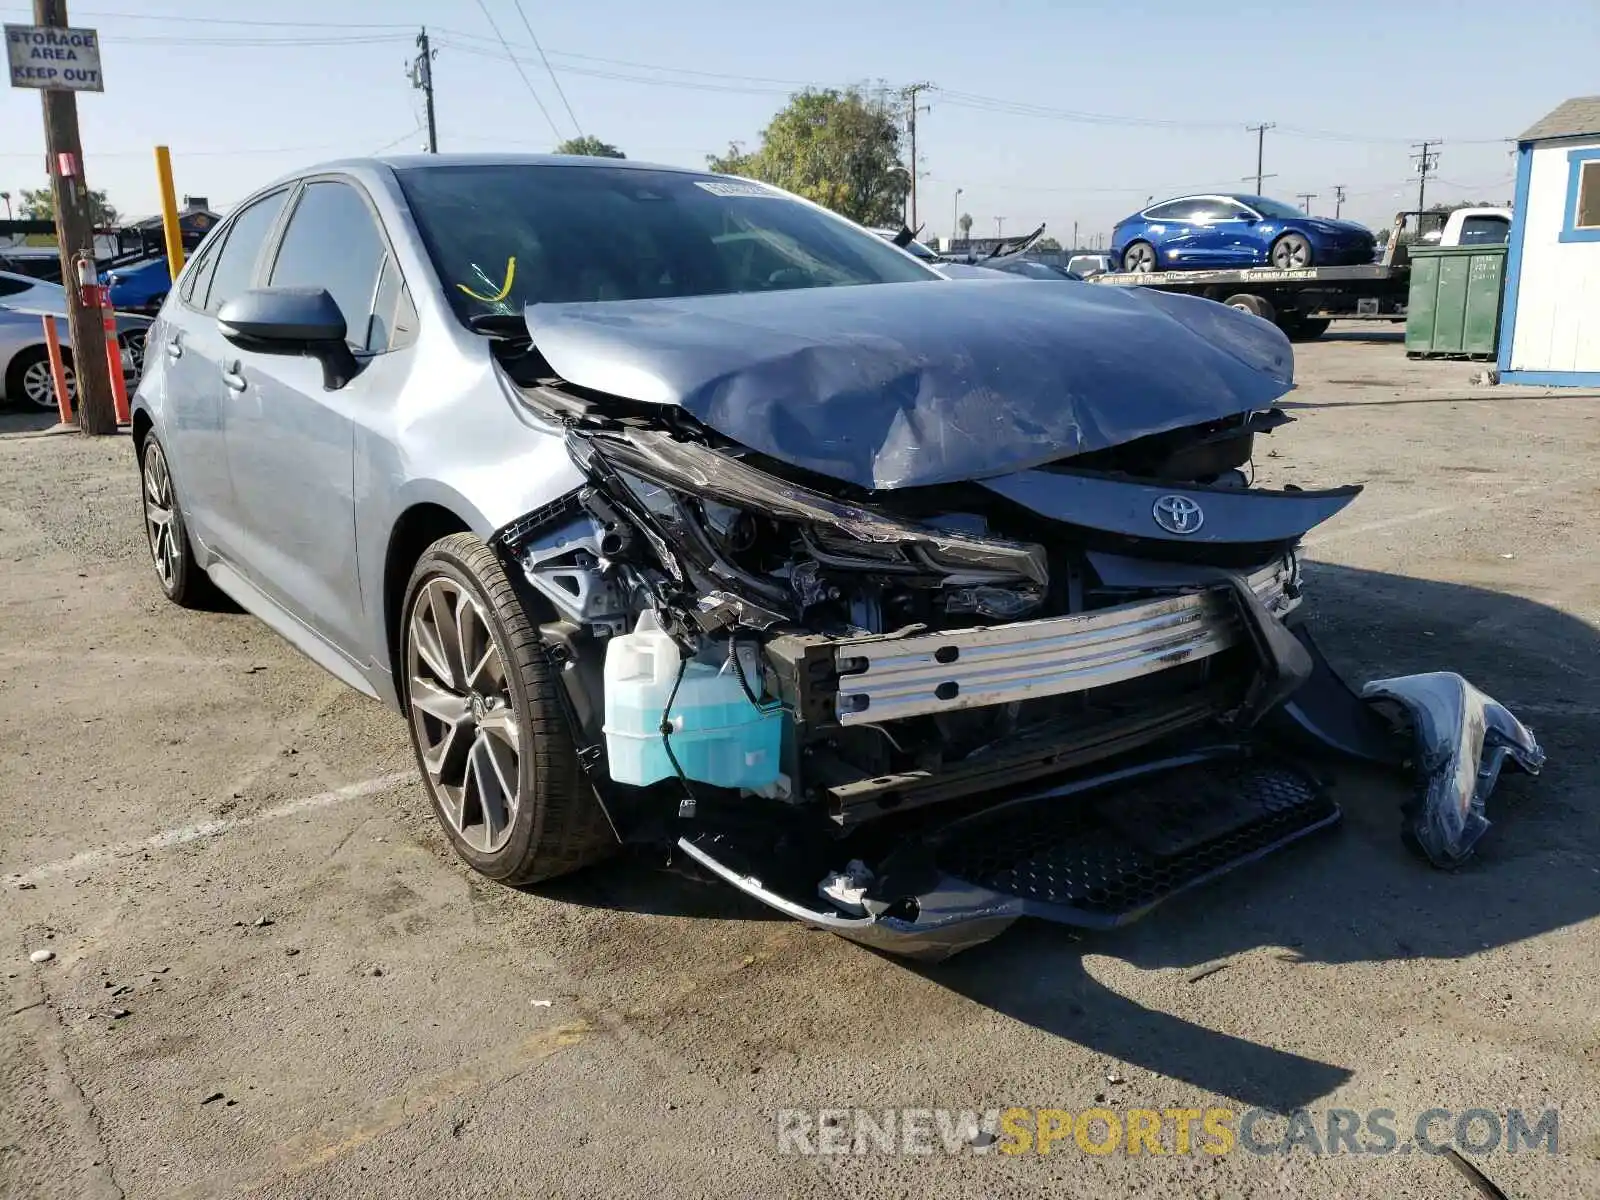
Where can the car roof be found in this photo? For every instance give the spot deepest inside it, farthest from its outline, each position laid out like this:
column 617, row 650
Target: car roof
column 30, row 280
column 411, row 162
column 399, row 164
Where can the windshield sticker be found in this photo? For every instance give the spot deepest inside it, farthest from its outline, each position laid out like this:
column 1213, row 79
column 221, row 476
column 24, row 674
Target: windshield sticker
column 505, row 288
column 737, row 187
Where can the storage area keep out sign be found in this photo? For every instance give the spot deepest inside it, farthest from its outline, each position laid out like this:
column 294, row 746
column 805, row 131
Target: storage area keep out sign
column 62, row 60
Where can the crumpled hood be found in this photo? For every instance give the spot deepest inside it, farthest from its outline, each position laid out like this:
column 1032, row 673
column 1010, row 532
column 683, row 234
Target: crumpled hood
column 901, row 385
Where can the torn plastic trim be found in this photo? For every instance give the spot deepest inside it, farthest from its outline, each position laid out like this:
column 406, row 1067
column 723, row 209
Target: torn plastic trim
column 1463, row 739
column 700, row 471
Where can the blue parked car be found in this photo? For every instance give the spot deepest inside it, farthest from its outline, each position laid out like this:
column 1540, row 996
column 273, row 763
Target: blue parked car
column 1235, row 231
column 141, row 286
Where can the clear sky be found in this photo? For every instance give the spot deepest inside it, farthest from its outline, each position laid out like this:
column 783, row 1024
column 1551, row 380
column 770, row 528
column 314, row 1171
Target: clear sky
column 1044, row 110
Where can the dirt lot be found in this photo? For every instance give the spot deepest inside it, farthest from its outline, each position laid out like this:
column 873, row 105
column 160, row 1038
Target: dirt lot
column 219, row 842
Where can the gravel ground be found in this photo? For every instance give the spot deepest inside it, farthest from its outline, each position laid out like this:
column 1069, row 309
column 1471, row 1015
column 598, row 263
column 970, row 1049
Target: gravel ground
column 217, row 841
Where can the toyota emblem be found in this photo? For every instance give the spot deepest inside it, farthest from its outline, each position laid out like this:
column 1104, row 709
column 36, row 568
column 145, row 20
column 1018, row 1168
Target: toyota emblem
column 1178, row 514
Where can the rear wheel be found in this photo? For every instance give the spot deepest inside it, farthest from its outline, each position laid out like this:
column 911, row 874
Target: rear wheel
column 1139, row 257
column 180, row 576
column 489, row 731
column 1291, row 252
column 1255, row 305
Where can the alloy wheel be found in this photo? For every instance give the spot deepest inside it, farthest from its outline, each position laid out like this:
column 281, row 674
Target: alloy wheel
column 1140, row 258
column 463, row 714
column 39, row 389
column 132, row 343
column 159, row 508
column 1291, row 252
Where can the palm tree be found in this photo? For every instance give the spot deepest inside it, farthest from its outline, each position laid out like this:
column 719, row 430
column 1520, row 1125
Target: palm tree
column 966, row 226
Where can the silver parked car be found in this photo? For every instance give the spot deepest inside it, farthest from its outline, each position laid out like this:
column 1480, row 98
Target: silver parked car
column 24, row 359
column 673, row 510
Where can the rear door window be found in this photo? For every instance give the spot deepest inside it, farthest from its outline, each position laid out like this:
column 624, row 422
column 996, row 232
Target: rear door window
column 235, row 271
column 1174, row 210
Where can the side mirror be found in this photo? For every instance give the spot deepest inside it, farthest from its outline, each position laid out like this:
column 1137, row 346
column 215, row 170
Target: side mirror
column 1247, row 218
column 291, row 321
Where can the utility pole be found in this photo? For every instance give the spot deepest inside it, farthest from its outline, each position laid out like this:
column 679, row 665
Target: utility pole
column 1305, row 201
column 1427, row 159
column 955, row 215
column 1338, row 200
column 69, row 193
column 910, row 93
column 999, row 227
column 1261, row 148
column 1074, row 235
column 422, row 77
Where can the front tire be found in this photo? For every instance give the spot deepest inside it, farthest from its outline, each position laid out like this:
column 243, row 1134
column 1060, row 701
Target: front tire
column 1140, row 258
column 490, row 734
column 1292, row 252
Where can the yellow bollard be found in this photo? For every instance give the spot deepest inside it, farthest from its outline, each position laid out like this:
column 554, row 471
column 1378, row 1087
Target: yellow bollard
column 169, row 214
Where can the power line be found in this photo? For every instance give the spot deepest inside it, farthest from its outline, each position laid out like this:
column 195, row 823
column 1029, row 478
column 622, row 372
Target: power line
column 408, row 134
column 186, row 19
column 526, row 82
column 683, row 84
column 559, row 91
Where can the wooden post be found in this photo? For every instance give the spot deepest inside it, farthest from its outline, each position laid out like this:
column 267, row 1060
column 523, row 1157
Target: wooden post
column 69, row 189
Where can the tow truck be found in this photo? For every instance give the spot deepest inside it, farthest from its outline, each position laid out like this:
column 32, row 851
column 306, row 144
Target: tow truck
column 1302, row 301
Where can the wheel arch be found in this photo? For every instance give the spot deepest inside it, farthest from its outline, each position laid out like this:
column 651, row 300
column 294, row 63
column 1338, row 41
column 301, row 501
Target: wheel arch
column 417, row 528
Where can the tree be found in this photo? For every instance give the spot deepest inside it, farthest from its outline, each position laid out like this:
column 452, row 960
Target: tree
column 966, row 226
column 840, row 149
column 591, row 147
column 39, row 205
column 1046, row 243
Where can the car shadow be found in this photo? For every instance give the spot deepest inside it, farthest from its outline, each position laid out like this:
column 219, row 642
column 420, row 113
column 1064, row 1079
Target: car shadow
column 26, row 421
column 1338, row 334
column 1354, row 895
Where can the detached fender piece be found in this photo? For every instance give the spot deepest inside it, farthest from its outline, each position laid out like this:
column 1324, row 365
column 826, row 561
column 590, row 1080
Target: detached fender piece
column 1463, row 738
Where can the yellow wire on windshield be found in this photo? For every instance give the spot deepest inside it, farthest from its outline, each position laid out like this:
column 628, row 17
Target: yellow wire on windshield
column 505, row 290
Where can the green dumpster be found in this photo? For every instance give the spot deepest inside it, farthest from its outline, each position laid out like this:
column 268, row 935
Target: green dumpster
column 1453, row 310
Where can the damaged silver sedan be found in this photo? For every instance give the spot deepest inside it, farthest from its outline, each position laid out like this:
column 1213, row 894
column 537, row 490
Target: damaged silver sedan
column 675, row 511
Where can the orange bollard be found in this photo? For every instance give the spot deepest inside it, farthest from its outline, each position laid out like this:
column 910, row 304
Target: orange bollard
column 119, row 387
column 58, row 370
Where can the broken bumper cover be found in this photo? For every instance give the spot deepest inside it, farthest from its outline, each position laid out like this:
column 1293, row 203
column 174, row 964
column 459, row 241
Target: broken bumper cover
column 1096, row 852
column 851, row 681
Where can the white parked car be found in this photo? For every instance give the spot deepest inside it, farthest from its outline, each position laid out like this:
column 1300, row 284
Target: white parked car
column 24, row 361
column 1473, row 227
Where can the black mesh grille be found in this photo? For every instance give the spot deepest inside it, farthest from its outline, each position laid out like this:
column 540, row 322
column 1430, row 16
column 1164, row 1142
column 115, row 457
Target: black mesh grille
column 1106, row 858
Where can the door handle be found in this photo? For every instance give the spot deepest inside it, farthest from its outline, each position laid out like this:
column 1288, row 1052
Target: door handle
column 233, row 379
